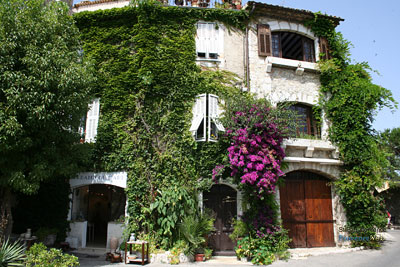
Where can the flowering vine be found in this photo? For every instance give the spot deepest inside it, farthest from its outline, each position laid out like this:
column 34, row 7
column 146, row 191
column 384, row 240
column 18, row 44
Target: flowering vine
column 255, row 153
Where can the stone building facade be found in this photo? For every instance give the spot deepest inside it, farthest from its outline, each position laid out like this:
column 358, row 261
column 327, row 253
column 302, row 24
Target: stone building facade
column 309, row 206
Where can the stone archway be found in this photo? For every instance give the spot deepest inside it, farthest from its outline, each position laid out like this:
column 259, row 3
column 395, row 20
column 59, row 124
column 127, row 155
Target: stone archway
column 306, row 209
column 98, row 200
column 98, row 205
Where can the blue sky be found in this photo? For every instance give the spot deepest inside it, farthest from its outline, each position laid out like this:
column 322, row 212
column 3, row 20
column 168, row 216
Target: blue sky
column 373, row 27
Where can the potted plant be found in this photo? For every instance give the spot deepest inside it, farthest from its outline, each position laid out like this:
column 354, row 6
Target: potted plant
column 207, row 253
column 47, row 235
column 194, row 230
column 199, row 254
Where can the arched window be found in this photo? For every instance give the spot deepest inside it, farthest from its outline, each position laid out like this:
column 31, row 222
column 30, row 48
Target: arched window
column 292, row 46
column 283, row 44
column 305, row 120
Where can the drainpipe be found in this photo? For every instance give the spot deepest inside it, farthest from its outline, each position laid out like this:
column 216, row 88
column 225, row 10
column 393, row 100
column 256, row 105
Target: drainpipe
column 247, row 56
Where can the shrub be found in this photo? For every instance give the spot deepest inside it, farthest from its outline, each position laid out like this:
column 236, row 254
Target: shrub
column 263, row 250
column 194, row 229
column 39, row 256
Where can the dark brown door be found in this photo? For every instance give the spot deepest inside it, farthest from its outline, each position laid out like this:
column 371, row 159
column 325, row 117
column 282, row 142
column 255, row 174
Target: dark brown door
column 221, row 201
column 306, row 209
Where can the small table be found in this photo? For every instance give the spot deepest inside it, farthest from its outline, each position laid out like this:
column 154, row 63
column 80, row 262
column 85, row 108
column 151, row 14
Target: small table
column 145, row 256
column 28, row 241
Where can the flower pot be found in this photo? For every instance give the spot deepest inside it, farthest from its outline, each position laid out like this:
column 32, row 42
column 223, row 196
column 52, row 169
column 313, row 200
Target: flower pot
column 194, row 3
column 50, row 240
column 199, row 257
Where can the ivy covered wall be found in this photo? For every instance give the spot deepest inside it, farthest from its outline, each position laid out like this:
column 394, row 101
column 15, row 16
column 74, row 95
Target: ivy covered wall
column 349, row 99
column 147, row 83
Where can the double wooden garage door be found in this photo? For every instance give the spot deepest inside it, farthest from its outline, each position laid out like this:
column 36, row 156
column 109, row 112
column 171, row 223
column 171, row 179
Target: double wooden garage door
column 306, row 210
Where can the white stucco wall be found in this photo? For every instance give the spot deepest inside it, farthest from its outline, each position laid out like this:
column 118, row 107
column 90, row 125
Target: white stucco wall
column 114, row 230
column 78, row 230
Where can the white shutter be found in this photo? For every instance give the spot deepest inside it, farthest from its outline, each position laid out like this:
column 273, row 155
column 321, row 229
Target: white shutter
column 207, row 38
column 213, row 38
column 201, row 38
column 92, row 120
column 215, row 111
column 199, row 114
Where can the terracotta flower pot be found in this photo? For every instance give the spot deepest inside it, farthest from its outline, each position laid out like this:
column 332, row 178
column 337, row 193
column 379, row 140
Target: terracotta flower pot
column 199, row 257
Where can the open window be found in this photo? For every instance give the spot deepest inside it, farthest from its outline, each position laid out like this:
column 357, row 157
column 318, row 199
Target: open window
column 206, row 113
column 305, row 121
column 88, row 130
column 208, row 40
column 283, row 44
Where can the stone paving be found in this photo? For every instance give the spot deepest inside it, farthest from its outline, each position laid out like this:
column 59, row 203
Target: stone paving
column 88, row 258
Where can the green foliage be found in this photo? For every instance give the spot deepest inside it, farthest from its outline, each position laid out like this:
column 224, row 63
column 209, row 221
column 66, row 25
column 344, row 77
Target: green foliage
column 147, row 80
column 42, row 232
column 194, row 229
column 239, row 230
column 179, row 247
column 207, row 253
column 265, row 250
column 349, row 99
column 389, row 142
column 11, row 254
column 48, row 209
column 169, row 209
column 39, row 256
column 44, row 91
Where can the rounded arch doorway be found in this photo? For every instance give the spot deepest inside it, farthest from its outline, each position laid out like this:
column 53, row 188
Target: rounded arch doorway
column 221, row 201
column 98, row 204
column 306, row 209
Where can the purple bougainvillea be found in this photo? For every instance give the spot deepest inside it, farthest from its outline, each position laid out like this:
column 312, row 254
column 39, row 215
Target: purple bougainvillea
column 262, row 221
column 255, row 153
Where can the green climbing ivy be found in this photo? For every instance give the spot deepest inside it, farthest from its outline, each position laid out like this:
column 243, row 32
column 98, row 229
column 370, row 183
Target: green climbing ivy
column 147, row 81
column 349, row 99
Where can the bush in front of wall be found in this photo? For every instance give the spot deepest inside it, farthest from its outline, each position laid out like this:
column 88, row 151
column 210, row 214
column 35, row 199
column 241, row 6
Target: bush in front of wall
column 39, row 256
column 264, row 250
column 193, row 230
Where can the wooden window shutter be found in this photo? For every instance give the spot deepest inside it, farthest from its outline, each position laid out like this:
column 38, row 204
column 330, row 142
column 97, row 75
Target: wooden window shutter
column 324, row 48
column 264, row 40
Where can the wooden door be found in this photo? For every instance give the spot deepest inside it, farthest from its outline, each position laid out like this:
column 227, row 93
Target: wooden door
column 306, row 208
column 221, row 201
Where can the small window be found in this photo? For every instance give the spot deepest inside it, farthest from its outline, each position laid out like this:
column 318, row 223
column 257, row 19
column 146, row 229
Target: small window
column 292, row 46
column 208, row 40
column 88, row 130
column 305, row 120
column 205, row 122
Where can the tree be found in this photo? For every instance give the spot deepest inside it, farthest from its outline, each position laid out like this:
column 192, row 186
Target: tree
column 389, row 141
column 44, row 91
